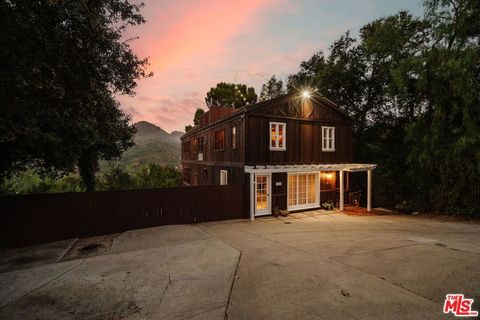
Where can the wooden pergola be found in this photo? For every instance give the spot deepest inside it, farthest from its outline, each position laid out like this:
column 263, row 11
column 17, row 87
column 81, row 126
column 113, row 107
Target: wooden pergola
column 305, row 168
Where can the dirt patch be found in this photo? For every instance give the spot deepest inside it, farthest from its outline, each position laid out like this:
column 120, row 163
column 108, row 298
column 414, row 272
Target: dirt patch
column 32, row 256
column 361, row 212
column 445, row 217
column 90, row 247
column 74, row 301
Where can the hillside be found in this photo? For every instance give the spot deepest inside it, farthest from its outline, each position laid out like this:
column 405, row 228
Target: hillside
column 152, row 144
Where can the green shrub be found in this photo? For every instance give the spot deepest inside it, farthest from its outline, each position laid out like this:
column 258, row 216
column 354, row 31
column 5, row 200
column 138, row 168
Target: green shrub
column 115, row 179
column 155, row 176
column 31, row 181
column 328, row 205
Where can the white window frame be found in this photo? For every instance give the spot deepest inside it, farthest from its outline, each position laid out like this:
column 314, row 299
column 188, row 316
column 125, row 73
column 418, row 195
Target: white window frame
column 329, row 138
column 223, row 177
column 277, row 125
column 306, row 205
column 261, row 212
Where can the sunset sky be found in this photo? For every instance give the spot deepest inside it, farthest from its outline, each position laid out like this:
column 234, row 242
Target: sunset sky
column 193, row 45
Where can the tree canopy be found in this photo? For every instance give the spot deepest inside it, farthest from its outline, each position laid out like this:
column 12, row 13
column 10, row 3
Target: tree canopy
column 231, row 95
column 273, row 88
column 62, row 64
column 198, row 115
column 412, row 86
column 113, row 177
column 196, row 119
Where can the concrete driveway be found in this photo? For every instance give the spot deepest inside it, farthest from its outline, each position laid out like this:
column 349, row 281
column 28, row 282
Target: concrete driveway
column 308, row 266
column 171, row 272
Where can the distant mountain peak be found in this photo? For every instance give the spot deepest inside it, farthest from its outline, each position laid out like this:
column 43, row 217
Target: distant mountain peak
column 147, row 127
column 152, row 145
column 151, row 132
column 177, row 133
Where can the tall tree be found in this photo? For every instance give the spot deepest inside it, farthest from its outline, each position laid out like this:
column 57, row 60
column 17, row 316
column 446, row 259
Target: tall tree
column 196, row 119
column 188, row 127
column 309, row 75
column 373, row 79
column 412, row 86
column 63, row 62
column 272, row 89
column 231, row 95
column 198, row 115
column 445, row 142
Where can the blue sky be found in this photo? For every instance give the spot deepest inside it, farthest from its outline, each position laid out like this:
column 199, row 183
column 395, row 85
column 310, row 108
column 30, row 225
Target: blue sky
column 192, row 45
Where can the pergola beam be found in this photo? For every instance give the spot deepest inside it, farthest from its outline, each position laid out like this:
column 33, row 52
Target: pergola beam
column 369, row 190
column 342, row 192
column 351, row 167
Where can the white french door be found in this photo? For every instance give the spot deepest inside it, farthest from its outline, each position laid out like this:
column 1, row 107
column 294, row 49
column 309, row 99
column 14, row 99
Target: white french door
column 262, row 195
column 303, row 191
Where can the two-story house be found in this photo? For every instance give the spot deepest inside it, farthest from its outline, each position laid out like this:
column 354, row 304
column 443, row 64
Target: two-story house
column 293, row 152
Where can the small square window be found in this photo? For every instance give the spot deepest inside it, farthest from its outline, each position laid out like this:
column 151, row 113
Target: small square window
column 278, row 136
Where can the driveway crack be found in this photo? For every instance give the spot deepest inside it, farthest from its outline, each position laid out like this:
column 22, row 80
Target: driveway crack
column 398, row 285
column 233, row 283
column 170, row 282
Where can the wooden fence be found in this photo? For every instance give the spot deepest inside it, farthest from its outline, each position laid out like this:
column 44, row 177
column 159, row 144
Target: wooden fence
column 39, row 218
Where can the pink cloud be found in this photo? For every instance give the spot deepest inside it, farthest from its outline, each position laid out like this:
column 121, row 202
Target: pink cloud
column 170, row 113
column 186, row 42
column 194, row 44
column 130, row 110
column 178, row 32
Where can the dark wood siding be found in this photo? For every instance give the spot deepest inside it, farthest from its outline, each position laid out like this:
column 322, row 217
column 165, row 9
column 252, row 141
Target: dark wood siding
column 279, row 192
column 304, row 142
column 231, row 159
column 202, row 174
column 246, row 191
column 304, row 120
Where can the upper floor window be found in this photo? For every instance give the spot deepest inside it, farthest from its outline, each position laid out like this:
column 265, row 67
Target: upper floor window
column 186, row 146
column 234, row 138
column 198, row 146
column 328, row 138
column 278, row 132
column 220, row 140
column 223, row 177
column 194, row 144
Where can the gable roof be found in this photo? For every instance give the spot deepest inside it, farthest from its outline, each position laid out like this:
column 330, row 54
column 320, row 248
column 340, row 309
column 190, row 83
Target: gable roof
column 321, row 100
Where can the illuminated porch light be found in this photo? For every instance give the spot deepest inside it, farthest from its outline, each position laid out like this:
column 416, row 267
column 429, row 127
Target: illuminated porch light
column 328, row 176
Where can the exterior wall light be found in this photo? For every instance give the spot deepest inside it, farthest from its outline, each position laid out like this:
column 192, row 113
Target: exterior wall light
column 306, row 94
column 328, row 176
